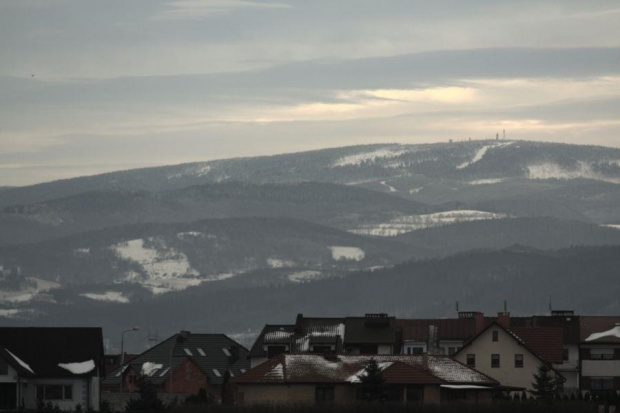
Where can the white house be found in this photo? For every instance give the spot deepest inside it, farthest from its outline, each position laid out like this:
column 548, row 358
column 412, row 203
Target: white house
column 61, row 366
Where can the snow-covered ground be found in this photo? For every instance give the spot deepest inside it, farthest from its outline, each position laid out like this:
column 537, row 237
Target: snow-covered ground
column 614, row 226
column 489, row 181
column 408, row 223
column 112, row 296
column 347, row 253
column 480, row 154
column 201, row 169
column 555, row 171
column 10, row 312
column 359, row 158
column 166, row 269
column 304, row 276
column 279, row 263
column 40, row 286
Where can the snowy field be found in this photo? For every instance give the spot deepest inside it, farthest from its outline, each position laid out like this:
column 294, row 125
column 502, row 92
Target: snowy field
column 408, row 223
column 304, row 276
column 554, row 171
column 28, row 293
column 480, row 154
column 347, row 253
column 109, row 296
column 359, row 158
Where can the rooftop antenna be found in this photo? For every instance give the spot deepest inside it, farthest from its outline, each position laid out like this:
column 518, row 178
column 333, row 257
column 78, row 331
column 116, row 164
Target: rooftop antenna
column 550, row 305
column 457, row 306
column 505, row 306
column 504, row 138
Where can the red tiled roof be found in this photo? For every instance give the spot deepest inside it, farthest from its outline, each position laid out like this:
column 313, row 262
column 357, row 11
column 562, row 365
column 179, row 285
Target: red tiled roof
column 546, row 342
column 591, row 328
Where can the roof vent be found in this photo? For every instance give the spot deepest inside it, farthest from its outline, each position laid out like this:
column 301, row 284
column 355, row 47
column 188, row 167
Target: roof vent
column 468, row 314
column 377, row 320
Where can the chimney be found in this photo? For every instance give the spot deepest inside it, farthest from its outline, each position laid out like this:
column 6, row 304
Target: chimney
column 432, row 346
column 183, row 335
column 298, row 322
column 234, row 352
column 479, row 317
column 503, row 319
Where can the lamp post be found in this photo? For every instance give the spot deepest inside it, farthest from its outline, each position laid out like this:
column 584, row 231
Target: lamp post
column 123, row 353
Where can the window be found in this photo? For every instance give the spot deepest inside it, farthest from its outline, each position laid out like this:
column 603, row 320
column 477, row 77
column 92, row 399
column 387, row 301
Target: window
column 242, row 370
column 201, row 352
column 495, row 335
column 565, row 356
column 163, row 373
column 321, row 349
column 273, row 351
column 227, row 352
column 471, row 360
column 415, row 350
column 369, row 349
column 602, row 354
column 54, row 392
column 602, row 383
column 519, row 360
column 452, row 350
column 188, row 351
column 495, row 360
column 217, row 372
column 4, row 367
column 324, row 394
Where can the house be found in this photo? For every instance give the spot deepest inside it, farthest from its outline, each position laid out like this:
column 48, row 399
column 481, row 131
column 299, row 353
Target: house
column 315, row 378
column 59, row 365
column 179, row 367
column 512, row 355
column 438, row 336
column 371, row 334
column 600, row 354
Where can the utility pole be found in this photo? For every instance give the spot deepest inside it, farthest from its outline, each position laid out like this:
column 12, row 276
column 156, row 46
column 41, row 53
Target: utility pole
column 123, row 353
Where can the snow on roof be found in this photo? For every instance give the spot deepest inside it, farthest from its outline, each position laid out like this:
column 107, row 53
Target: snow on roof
column 277, row 372
column 356, row 378
column 20, row 361
column 614, row 332
column 79, row 368
column 149, row 368
column 275, row 336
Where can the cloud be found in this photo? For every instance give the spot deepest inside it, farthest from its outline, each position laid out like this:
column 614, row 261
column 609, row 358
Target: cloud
column 202, row 9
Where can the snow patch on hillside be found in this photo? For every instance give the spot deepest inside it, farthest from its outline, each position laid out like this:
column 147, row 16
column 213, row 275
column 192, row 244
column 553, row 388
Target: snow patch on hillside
column 110, row 296
column 304, row 276
column 555, row 171
column 359, row 158
column 9, row 312
column 388, row 186
column 194, row 170
column 347, row 253
column 165, row 268
column 480, row 154
column 614, row 226
column 408, row 223
column 489, row 181
column 279, row 263
column 35, row 290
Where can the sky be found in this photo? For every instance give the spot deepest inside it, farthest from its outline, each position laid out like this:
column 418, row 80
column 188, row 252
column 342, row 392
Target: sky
column 89, row 87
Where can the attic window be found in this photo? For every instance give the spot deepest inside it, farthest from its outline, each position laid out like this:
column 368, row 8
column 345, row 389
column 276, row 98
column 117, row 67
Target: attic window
column 495, row 335
column 163, row 373
column 201, row 352
column 217, row 372
column 188, row 351
column 242, row 370
column 227, row 352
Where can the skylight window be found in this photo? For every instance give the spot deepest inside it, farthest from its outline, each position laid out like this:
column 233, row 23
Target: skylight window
column 201, row 352
column 227, row 352
column 163, row 373
column 217, row 373
column 242, row 370
column 188, row 351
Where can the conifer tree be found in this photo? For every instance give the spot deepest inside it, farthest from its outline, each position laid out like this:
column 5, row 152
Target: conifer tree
column 228, row 397
column 372, row 383
column 544, row 383
column 148, row 400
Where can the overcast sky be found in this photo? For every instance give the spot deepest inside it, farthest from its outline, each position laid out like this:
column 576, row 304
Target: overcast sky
column 95, row 86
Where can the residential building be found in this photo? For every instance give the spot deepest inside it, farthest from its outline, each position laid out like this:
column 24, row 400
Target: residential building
column 56, row 365
column 180, row 366
column 314, row 378
column 600, row 354
column 371, row 334
column 512, row 356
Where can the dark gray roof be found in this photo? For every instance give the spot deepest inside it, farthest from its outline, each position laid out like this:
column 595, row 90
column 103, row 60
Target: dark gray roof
column 273, row 334
column 207, row 351
column 370, row 330
column 44, row 349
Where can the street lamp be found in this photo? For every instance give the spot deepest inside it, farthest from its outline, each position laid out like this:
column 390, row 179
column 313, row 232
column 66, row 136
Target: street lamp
column 123, row 352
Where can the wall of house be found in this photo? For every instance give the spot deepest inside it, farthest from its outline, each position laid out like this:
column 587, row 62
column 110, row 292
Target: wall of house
column 432, row 394
column 506, row 346
column 80, row 389
column 384, row 349
column 188, row 378
column 600, row 369
column 290, row 394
